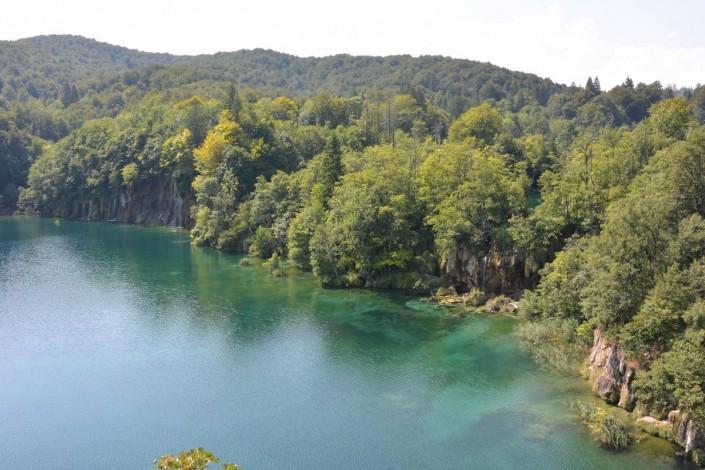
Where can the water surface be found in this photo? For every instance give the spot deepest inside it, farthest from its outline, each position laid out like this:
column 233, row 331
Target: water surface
column 119, row 344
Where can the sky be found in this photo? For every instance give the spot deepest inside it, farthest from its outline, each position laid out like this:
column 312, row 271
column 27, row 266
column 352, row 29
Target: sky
column 565, row 41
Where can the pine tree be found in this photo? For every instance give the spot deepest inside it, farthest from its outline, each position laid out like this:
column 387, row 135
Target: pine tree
column 331, row 165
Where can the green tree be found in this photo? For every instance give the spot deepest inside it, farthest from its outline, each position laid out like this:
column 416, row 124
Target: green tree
column 672, row 117
column 375, row 224
column 194, row 459
column 483, row 123
column 471, row 195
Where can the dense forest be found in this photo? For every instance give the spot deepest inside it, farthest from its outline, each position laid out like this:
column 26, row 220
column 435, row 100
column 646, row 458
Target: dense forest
column 396, row 172
column 51, row 85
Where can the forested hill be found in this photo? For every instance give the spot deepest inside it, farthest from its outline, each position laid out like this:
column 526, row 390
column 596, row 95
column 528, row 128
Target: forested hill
column 50, row 67
column 51, row 85
column 37, row 66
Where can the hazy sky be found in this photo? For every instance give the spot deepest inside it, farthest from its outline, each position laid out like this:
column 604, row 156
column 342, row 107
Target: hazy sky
column 566, row 41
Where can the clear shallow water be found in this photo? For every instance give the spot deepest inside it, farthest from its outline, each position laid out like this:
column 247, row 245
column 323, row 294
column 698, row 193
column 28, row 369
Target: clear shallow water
column 119, row 344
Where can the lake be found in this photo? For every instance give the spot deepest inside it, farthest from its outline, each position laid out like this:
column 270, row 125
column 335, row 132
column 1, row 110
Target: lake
column 119, row 344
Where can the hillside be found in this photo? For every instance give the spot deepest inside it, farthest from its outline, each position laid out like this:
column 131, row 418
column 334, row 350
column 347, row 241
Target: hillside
column 38, row 67
column 42, row 66
column 51, row 85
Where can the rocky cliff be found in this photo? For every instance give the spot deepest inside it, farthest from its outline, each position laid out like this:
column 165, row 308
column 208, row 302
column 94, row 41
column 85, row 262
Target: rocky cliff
column 497, row 271
column 152, row 202
column 612, row 375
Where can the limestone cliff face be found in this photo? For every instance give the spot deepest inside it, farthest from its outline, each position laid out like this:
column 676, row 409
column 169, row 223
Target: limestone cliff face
column 497, row 271
column 610, row 373
column 149, row 203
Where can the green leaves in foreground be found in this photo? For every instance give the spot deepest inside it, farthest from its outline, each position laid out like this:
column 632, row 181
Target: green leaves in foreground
column 194, row 459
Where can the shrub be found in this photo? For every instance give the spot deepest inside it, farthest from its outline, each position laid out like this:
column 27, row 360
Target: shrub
column 656, row 428
column 610, row 431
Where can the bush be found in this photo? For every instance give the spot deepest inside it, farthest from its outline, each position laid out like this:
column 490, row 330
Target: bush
column 676, row 379
column 610, row 431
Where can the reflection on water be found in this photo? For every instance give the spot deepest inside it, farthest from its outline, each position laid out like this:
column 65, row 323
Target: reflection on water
column 118, row 344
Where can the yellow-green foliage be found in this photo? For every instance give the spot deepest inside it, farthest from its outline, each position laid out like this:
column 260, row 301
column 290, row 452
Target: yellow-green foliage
column 129, row 174
column 483, row 123
column 213, row 150
column 194, row 459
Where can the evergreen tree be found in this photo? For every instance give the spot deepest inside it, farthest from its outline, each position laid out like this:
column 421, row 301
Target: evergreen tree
column 331, row 165
column 590, row 88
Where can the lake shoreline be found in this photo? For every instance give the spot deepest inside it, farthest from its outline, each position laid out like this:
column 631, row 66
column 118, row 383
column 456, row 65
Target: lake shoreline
column 448, row 310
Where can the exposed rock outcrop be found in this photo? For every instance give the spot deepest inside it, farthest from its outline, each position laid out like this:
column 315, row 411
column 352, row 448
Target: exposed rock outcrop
column 686, row 433
column 498, row 271
column 153, row 202
column 658, row 427
column 610, row 373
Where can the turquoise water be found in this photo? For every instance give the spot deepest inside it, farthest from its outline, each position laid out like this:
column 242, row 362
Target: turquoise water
column 119, row 344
